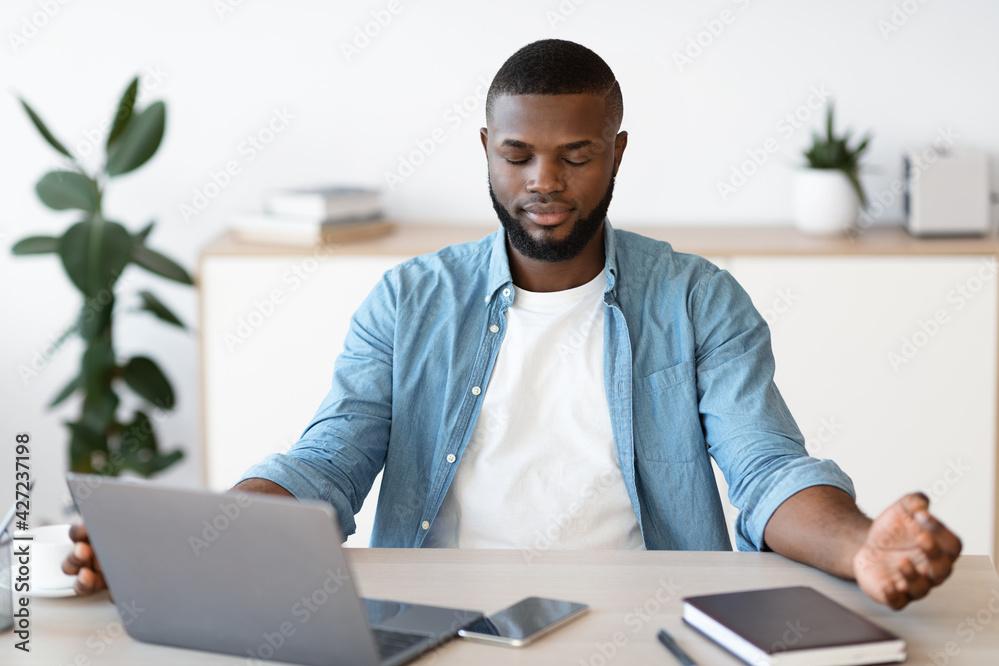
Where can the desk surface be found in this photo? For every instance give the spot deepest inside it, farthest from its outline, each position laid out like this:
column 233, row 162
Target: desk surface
column 631, row 594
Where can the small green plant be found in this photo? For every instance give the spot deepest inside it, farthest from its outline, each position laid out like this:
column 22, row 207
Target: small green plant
column 833, row 152
column 94, row 252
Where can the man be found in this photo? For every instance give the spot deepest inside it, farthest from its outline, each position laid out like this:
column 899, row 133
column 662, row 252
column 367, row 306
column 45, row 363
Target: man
column 560, row 384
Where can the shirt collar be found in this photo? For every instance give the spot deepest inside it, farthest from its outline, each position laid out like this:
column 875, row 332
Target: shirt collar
column 499, row 263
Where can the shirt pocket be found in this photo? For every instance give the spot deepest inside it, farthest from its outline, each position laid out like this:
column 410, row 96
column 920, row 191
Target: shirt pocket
column 667, row 423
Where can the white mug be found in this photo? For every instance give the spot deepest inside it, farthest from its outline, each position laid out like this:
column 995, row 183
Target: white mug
column 49, row 547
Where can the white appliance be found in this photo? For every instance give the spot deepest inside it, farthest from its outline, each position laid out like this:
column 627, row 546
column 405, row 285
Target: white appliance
column 947, row 191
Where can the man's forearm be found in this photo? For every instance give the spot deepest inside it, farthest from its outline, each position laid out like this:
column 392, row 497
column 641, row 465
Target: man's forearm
column 820, row 526
column 263, row 486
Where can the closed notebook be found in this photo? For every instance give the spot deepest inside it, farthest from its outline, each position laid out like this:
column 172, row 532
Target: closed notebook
column 790, row 626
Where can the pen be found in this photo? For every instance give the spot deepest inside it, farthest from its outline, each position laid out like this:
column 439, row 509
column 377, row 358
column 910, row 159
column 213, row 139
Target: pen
column 675, row 649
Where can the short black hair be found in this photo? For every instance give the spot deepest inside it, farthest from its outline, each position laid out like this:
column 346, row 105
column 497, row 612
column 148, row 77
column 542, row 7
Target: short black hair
column 558, row 67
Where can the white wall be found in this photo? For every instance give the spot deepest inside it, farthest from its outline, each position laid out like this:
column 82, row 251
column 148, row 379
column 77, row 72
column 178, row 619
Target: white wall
column 353, row 111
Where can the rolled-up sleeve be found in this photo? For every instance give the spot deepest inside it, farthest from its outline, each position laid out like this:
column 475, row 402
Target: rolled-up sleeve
column 748, row 428
column 344, row 446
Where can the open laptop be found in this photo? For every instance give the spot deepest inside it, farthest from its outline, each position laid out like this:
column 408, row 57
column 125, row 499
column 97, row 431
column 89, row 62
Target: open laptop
column 252, row 575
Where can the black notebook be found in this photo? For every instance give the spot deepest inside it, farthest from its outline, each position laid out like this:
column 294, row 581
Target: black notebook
column 788, row 626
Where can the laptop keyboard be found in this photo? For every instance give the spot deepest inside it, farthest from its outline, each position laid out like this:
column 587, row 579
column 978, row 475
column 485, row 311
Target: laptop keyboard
column 391, row 643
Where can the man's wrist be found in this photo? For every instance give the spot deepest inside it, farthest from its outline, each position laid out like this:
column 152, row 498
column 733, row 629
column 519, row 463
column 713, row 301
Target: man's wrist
column 855, row 543
column 260, row 485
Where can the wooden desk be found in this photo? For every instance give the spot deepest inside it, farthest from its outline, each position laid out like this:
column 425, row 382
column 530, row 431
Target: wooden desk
column 631, row 594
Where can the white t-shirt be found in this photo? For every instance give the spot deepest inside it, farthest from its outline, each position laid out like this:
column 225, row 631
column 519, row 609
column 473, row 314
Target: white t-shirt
column 540, row 470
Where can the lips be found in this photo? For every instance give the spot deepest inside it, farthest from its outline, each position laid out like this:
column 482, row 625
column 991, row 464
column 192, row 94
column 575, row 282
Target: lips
column 548, row 214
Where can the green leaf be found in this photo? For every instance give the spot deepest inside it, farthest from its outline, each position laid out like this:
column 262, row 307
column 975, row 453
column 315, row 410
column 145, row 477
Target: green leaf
column 83, row 443
column 145, row 378
column 36, row 245
column 95, row 315
column 829, row 121
column 64, row 190
column 139, row 140
column 94, row 253
column 161, row 461
column 137, row 436
column 144, row 232
column 152, row 304
column 99, row 409
column 857, row 187
column 66, row 391
column 43, row 130
column 125, row 106
column 161, row 265
column 862, row 146
column 98, row 365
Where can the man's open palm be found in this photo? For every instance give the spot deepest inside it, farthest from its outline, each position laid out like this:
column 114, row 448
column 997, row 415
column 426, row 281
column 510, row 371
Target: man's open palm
column 907, row 552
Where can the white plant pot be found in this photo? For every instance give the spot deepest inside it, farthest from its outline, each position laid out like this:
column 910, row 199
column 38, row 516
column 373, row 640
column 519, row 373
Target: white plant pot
column 824, row 201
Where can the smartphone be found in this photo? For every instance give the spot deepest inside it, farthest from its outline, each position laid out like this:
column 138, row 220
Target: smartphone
column 523, row 622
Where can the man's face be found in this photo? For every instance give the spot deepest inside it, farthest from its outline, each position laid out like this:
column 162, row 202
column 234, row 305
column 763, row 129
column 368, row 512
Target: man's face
column 552, row 161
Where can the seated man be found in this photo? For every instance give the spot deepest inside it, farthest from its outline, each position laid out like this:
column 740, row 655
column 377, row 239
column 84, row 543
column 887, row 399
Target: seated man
column 561, row 384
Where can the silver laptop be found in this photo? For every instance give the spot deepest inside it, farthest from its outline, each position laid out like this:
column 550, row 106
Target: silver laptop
column 252, row 575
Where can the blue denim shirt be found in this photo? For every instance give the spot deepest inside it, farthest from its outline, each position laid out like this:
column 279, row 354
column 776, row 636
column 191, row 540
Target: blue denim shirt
column 688, row 373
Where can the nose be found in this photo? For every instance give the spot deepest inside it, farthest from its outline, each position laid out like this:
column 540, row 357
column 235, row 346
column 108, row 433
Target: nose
column 546, row 177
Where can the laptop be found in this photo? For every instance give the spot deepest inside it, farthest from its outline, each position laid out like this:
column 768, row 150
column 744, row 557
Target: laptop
column 257, row 576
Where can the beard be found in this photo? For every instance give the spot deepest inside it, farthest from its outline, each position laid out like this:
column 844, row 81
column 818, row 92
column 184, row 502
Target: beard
column 582, row 232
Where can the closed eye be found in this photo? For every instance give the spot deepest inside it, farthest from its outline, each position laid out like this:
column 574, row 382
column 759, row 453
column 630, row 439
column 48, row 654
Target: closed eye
column 577, row 163
column 523, row 161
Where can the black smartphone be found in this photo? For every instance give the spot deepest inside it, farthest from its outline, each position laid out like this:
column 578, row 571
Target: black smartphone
column 523, row 622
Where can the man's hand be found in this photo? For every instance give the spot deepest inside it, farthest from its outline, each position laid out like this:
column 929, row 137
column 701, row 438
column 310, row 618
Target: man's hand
column 907, row 552
column 83, row 564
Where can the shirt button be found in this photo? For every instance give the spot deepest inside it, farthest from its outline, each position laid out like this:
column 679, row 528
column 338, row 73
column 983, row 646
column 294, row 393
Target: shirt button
column 487, row 299
column 506, row 292
column 451, row 458
column 425, row 524
column 494, row 329
column 476, row 390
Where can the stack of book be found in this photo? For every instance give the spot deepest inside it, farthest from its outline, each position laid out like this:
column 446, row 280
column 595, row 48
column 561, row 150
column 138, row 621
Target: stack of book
column 314, row 215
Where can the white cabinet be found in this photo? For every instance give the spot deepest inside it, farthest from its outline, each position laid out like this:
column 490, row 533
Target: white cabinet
column 888, row 363
column 889, row 366
column 272, row 325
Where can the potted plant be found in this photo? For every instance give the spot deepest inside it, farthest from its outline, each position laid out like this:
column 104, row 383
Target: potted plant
column 828, row 194
column 94, row 251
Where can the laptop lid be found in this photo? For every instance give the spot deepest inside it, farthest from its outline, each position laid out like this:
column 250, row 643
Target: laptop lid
column 251, row 575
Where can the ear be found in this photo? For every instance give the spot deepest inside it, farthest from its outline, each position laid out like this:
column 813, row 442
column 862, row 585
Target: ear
column 620, row 143
column 484, row 136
